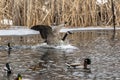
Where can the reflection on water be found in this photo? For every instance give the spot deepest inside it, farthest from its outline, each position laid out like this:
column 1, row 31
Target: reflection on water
column 50, row 64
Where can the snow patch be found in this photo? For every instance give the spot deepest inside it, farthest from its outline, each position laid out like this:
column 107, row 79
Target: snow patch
column 7, row 22
column 101, row 1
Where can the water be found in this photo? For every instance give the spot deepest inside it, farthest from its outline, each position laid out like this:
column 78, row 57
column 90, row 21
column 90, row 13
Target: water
column 40, row 63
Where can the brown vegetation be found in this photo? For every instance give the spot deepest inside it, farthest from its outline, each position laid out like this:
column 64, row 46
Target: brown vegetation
column 76, row 12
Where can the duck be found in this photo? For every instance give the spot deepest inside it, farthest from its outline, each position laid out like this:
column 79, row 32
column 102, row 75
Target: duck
column 9, row 48
column 19, row 77
column 87, row 62
column 50, row 34
column 38, row 66
column 8, row 69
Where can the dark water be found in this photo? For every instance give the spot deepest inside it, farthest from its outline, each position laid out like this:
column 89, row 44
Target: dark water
column 50, row 64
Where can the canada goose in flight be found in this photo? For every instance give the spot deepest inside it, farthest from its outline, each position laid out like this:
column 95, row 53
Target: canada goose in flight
column 50, row 34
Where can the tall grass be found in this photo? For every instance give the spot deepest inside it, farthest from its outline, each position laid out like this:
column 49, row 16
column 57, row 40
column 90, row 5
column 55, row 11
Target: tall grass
column 76, row 12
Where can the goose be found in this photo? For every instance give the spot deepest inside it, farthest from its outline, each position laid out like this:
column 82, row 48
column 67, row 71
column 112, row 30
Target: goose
column 50, row 34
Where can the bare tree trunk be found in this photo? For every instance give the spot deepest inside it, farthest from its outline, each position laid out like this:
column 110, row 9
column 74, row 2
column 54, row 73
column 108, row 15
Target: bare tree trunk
column 113, row 13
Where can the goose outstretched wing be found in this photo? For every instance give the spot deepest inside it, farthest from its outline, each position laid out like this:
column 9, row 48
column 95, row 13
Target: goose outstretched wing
column 44, row 30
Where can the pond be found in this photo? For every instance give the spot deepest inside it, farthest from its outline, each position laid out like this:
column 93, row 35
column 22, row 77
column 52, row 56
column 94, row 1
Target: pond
column 36, row 63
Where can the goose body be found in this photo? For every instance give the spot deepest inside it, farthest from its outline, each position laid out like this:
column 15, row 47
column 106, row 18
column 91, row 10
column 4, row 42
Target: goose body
column 49, row 34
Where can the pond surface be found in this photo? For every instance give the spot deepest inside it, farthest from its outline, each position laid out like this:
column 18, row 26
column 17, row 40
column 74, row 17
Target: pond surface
column 35, row 63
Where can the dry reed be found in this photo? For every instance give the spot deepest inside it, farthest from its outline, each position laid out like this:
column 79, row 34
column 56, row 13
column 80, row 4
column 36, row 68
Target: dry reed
column 77, row 12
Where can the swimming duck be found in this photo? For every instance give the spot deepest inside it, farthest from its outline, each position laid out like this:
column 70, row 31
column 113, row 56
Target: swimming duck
column 9, row 48
column 50, row 34
column 19, row 77
column 8, row 69
column 37, row 66
column 87, row 62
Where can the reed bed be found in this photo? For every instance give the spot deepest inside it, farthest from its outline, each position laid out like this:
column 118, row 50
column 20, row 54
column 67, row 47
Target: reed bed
column 78, row 13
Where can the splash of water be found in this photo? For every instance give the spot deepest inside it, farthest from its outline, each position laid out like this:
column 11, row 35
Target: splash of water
column 64, row 47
